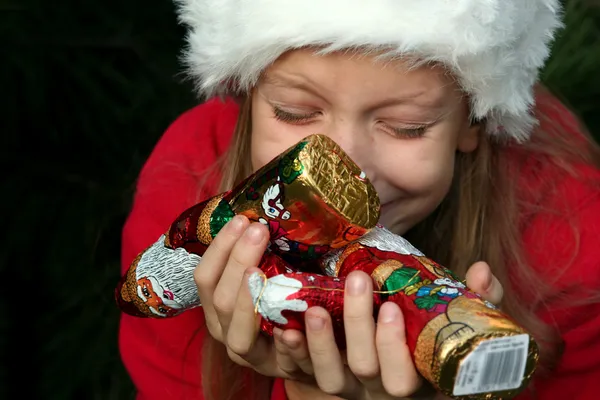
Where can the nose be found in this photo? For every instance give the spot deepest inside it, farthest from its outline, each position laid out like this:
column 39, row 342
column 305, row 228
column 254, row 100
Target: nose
column 356, row 143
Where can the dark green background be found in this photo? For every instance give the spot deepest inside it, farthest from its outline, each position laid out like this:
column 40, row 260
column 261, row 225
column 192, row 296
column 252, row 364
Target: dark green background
column 87, row 88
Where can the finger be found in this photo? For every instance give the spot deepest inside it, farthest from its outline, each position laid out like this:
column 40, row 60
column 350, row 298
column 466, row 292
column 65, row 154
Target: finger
column 481, row 280
column 297, row 348
column 246, row 253
column 398, row 373
column 211, row 266
column 284, row 360
column 359, row 327
column 246, row 346
column 243, row 336
column 287, row 360
column 330, row 373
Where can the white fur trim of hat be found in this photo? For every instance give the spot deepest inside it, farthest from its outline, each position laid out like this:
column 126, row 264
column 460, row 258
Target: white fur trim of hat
column 494, row 47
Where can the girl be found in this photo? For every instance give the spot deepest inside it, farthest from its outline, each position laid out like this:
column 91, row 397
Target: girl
column 475, row 163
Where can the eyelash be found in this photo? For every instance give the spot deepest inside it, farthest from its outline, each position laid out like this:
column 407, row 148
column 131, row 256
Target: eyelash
column 297, row 119
column 412, row 133
column 302, row 119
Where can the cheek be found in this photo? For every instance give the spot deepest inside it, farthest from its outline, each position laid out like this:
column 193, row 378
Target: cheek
column 416, row 184
column 421, row 170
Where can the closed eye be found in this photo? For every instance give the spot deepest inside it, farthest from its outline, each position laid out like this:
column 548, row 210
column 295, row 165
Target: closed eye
column 293, row 118
column 405, row 133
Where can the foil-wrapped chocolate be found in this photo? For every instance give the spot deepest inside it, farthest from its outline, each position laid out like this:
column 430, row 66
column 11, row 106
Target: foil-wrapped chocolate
column 312, row 197
column 463, row 345
column 321, row 210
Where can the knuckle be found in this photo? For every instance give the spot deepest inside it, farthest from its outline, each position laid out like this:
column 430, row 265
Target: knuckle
column 301, row 359
column 401, row 389
column 200, row 276
column 224, row 240
column 222, row 306
column 365, row 370
column 400, row 392
column 237, row 359
column 332, row 387
column 214, row 330
column 240, row 347
column 356, row 318
column 389, row 339
column 319, row 352
column 244, row 257
column 289, row 370
column 386, row 342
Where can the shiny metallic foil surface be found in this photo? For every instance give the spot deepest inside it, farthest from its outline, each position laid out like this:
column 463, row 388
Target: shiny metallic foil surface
column 320, row 198
column 448, row 338
column 445, row 320
column 312, row 198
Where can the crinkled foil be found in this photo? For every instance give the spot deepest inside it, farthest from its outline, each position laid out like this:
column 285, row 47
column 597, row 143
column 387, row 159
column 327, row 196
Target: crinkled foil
column 282, row 301
column 313, row 198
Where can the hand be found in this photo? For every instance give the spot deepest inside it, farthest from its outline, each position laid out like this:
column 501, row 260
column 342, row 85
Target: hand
column 378, row 363
column 222, row 281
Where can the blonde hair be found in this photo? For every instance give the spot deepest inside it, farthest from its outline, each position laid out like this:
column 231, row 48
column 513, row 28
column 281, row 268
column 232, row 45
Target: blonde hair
column 480, row 219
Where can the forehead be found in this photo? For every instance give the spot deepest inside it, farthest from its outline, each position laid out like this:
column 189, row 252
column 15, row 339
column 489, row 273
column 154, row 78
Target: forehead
column 366, row 75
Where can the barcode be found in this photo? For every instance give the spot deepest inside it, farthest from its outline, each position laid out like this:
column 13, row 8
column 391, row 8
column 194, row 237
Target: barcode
column 502, row 370
column 495, row 365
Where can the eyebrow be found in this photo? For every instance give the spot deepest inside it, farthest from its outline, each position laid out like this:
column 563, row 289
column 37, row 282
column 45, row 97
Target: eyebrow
column 305, row 84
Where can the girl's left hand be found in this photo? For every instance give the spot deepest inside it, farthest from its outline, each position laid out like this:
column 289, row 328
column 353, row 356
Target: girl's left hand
column 378, row 363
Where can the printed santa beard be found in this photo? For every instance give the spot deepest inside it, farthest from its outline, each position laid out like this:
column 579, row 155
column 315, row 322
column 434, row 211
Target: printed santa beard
column 164, row 280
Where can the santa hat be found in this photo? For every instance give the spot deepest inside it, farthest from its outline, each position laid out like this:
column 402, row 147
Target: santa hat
column 494, row 47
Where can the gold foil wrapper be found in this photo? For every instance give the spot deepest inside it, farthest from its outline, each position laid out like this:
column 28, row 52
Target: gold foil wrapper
column 472, row 349
column 319, row 196
column 446, row 348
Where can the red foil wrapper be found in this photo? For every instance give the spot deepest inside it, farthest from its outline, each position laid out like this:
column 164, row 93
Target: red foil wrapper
column 312, row 197
column 463, row 345
column 282, row 300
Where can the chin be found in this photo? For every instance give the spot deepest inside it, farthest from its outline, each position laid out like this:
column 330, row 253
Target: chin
column 397, row 225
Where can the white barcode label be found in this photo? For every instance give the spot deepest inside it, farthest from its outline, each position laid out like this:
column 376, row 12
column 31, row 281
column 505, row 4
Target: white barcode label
column 497, row 364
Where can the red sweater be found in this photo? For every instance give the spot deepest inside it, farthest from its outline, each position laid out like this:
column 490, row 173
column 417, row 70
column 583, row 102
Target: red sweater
column 163, row 356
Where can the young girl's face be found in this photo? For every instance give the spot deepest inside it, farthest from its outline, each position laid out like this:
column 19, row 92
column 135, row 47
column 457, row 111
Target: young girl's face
column 402, row 126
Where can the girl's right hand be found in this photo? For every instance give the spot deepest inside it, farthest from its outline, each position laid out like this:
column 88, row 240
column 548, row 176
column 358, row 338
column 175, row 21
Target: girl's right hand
column 222, row 281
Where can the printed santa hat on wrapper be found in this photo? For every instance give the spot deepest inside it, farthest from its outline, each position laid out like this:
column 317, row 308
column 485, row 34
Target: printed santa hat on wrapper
column 495, row 48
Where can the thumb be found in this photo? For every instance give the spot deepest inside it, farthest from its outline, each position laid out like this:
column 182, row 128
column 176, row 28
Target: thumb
column 481, row 280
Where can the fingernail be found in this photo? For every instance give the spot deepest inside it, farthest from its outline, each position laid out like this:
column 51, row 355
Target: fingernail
column 356, row 285
column 236, row 224
column 254, row 234
column 315, row 323
column 388, row 313
column 488, row 283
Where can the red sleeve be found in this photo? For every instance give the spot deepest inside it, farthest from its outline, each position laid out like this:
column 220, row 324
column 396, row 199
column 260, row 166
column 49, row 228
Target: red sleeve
column 163, row 356
column 564, row 246
column 573, row 257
